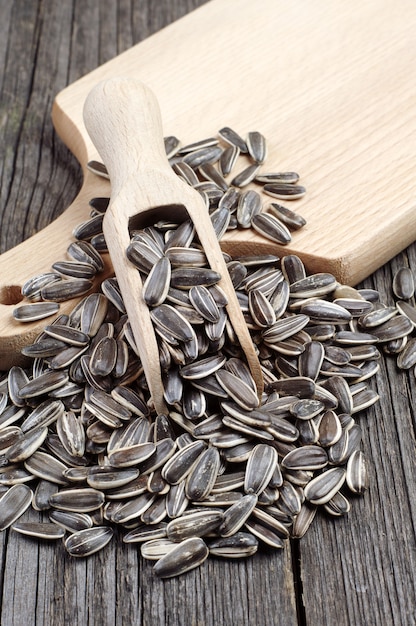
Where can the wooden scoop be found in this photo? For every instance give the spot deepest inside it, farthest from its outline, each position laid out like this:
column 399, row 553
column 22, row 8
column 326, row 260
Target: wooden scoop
column 123, row 119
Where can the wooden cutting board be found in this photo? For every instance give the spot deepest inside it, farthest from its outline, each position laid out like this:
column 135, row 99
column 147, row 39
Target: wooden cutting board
column 330, row 85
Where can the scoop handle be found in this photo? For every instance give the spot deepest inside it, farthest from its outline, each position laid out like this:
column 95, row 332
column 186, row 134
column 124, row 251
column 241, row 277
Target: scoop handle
column 123, row 119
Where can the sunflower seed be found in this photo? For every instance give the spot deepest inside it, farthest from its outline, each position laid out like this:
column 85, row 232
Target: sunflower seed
column 31, row 288
column 102, row 478
column 265, row 533
column 82, row 500
column 204, row 303
column 305, row 458
column 185, row 278
column 196, row 524
column 185, row 171
column 131, row 455
column 209, row 172
column 13, row 504
column 270, row 227
column 408, row 310
column 284, row 191
column 209, row 154
column 87, row 541
column 397, row 327
column 104, row 357
column 16, row 379
column 245, row 177
column 185, row 556
column 93, row 312
column 326, row 312
column 237, row 514
column 338, row 505
column 299, row 386
column 303, row 520
column 322, row 488
column 203, row 475
column 35, row 311
column 261, row 309
column 357, row 473
column 228, row 159
column 65, row 289
column 330, row 429
column 68, row 335
column 242, row 393
column 256, row 145
column 43, row 384
column 180, row 464
column 239, row 545
column 260, row 467
column 231, row 137
column 377, row 316
column 26, row 445
column 98, row 168
column 40, row 530
column 292, row 220
column 403, row 284
column 74, row 269
column 172, row 145
column 84, row 252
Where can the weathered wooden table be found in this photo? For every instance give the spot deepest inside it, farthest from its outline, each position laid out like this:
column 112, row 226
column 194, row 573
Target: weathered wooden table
column 356, row 570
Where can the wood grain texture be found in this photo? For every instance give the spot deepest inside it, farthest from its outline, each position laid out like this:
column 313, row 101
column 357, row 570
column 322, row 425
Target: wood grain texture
column 358, row 571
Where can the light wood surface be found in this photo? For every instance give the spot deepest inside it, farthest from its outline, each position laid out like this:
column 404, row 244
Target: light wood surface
column 327, row 85
column 123, row 119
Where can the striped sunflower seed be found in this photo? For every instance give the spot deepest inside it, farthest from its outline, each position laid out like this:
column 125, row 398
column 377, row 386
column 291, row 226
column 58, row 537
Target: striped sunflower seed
column 242, row 393
column 284, row 191
column 403, row 284
column 239, row 545
column 236, row 515
column 82, row 500
column 35, row 311
column 309, row 457
column 322, row 488
column 72, row 522
column 203, row 475
column 197, row 524
column 272, row 228
column 88, row 541
column 292, row 220
column 357, row 473
column 257, row 147
column 39, row 530
column 156, row 285
column 183, row 557
column 13, row 504
column 84, row 252
column 260, row 467
column 231, row 137
column 228, row 159
column 246, row 176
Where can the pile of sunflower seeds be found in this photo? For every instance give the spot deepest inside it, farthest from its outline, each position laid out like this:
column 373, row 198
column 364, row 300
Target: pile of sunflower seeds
column 224, row 472
column 205, row 165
